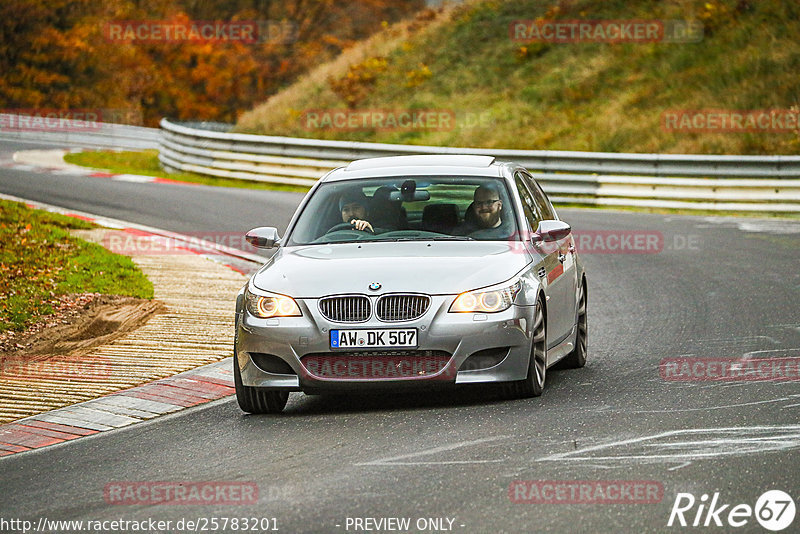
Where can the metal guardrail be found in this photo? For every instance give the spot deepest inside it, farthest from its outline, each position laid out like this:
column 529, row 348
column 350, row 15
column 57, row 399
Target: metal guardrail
column 718, row 183
column 95, row 135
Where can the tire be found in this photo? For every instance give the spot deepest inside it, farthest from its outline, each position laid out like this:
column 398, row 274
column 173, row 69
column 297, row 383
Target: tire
column 577, row 358
column 533, row 385
column 255, row 400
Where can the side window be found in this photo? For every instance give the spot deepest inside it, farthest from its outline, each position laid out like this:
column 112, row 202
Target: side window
column 528, row 205
column 542, row 202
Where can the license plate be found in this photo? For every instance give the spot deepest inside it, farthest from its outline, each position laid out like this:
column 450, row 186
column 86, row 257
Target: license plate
column 373, row 339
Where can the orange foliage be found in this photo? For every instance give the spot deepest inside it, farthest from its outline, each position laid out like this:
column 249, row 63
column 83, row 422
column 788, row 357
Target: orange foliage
column 355, row 86
column 54, row 53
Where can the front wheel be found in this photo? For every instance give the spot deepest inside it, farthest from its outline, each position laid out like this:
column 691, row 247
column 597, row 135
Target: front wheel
column 255, row 400
column 533, row 385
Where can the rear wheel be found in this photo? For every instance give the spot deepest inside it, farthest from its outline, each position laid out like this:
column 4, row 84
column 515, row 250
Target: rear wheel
column 255, row 400
column 577, row 358
column 533, row 385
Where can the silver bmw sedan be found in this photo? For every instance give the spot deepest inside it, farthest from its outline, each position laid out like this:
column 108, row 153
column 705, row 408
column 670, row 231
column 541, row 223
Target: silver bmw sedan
column 412, row 271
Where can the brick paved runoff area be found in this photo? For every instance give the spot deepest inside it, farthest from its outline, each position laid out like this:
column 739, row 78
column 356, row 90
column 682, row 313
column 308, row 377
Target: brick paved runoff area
column 192, row 336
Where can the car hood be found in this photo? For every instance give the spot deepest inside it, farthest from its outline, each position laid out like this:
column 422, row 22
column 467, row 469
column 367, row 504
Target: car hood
column 432, row 267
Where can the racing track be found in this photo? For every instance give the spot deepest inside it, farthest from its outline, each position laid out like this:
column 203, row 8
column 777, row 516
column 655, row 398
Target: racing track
column 721, row 287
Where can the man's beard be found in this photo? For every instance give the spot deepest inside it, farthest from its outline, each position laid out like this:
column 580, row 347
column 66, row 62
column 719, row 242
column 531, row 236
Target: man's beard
column 489, row 219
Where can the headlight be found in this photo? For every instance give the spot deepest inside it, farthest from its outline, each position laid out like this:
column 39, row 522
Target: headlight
column 266, row 306
column 496, row 300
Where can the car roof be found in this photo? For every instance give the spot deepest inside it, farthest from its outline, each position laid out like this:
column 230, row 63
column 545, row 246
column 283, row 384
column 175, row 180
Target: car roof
column 422, row 165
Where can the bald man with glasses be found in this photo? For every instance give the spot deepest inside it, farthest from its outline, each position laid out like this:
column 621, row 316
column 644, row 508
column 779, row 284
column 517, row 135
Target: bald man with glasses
column 484, row 213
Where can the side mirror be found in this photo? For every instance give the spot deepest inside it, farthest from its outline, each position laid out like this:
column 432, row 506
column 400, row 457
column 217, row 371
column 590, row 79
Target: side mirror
column 550, row 230
column 263, row 237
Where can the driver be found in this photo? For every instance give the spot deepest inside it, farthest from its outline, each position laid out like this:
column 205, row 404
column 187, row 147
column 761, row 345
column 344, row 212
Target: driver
column 353, row 205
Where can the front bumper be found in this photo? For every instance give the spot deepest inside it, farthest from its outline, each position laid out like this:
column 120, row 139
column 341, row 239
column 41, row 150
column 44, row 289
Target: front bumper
column 505, row 337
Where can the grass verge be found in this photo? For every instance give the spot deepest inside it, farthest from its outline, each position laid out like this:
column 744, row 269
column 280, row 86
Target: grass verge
column 146, row 163
column 40, row 261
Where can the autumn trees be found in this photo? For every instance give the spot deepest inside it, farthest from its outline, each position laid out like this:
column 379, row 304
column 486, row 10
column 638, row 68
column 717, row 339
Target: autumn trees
column 58, row 54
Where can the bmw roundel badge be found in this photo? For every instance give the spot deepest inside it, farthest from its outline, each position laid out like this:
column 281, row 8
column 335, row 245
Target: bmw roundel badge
column 374, row 286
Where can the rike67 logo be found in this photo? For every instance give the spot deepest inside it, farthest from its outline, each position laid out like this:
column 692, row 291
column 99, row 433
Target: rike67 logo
column 774, row 510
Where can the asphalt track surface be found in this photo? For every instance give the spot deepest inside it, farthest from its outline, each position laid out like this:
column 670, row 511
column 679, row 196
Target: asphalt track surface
column 716, row 288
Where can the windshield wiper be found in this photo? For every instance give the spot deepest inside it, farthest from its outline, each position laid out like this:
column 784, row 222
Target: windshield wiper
column 340, row 242
column 426, row 238
column 452, row 238
column 393, row 239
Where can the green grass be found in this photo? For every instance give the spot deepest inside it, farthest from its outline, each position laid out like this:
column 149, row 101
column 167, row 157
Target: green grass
column 146, row 163
column 579, row 96
column 40, row 260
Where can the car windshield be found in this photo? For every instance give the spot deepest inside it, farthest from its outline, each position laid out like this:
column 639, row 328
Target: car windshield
column 407, row 208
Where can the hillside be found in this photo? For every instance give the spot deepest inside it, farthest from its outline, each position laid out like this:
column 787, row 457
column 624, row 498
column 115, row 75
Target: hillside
column 494, row 91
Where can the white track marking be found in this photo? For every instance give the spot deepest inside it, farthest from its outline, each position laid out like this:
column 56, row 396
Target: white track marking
column 444, row 448
column 136, row 178
column 711, row 407
column 716, row 442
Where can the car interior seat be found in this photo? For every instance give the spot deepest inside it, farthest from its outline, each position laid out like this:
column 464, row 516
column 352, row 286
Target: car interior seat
column 386, row 213
column 441, row 218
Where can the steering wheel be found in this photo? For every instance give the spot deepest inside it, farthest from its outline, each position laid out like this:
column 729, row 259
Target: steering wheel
column 345, row 226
